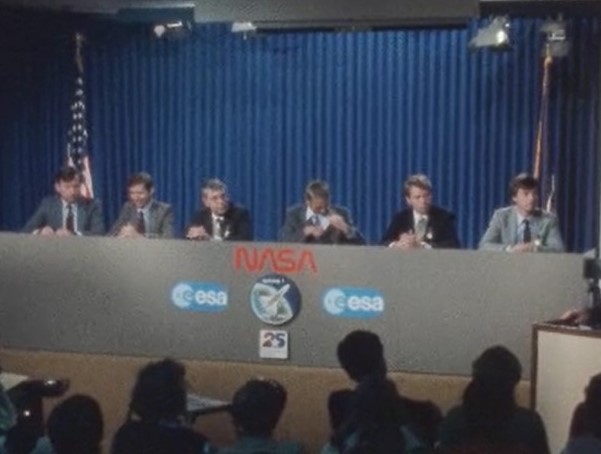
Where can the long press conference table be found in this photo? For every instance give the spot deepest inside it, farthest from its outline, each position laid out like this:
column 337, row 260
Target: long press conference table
column 435, row 310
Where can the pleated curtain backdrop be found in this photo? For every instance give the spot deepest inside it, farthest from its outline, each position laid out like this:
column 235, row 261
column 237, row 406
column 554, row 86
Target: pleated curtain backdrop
column 360, row 110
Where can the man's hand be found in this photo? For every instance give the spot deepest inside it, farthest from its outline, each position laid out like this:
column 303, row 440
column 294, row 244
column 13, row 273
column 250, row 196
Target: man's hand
column 197, row 233
column 129, row 231
column 523, row 247
column 339, row 223
column 46, row 231
column 407, row 241
column 63, row 232
column 313, row 230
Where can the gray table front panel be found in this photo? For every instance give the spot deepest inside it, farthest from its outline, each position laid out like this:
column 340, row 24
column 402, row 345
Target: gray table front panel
column 107, row 295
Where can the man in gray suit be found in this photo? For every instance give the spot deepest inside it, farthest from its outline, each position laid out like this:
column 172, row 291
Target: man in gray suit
column 66, row 213
column 523, row 227
column 141, row 215
column 316, row 221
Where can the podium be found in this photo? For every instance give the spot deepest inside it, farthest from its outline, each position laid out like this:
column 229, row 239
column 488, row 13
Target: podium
column 564, row 358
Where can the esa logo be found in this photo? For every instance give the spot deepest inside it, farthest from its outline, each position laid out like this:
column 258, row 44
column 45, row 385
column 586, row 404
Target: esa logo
column 353, row 302
column 199, row 296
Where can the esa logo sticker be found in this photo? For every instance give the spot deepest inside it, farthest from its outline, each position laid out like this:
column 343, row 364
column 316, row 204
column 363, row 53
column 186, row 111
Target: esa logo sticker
column 351, row 302
column 273, row 344
column 275, row 299
column 200, row 296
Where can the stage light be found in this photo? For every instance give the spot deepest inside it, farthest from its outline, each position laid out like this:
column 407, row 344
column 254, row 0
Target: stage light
column 494, row 36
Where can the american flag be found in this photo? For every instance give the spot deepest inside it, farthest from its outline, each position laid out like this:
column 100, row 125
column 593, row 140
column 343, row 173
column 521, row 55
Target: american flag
column 77, row 135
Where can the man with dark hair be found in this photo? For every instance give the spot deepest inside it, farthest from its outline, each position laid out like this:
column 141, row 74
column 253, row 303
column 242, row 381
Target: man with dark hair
column 76, row 426
column 317, row 221
column 219, row 219
column 156, row 418
column 141, row 215
column 67, row 212
column 523, row 226
column 256, row 410
column 361, row 355
column 422, row 225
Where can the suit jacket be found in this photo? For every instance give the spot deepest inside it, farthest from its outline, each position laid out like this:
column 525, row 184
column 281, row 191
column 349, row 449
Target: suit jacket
column 502, row 231
column 440, row 230
column 237, row 222
column 295, row 222
column 160, row 219
column 50, row 213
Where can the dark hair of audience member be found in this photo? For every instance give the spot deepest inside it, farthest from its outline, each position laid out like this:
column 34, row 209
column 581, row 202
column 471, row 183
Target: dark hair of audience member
column 375, row 420
column 75, row 426
column 160, row 392
column 586, row 420
column 489, row 400
column 257, row 407
column 361, row 355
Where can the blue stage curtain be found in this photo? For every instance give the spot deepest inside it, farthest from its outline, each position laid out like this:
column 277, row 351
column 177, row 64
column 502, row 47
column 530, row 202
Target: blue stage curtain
column 361, row 110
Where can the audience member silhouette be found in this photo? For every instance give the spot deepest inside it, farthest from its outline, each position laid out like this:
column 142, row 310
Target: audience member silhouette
column 256, row 410
column 489, row 420
column 361, row 354
column 156, row 420
column 585, row 429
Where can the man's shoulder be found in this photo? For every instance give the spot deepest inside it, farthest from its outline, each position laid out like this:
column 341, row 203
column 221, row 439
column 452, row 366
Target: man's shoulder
column 295, row 209
column 503, row 212
column 88, row 203
column 49, row 200
column 237, row 209
column 439, row 212
column 160, row 206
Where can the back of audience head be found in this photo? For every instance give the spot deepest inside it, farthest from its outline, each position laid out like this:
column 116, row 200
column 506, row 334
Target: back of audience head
column 586, row 419
column 160, row 392
column 375, row 420
column 489, row 399
column 75, row 426
column 257, row 407
column 361, row 355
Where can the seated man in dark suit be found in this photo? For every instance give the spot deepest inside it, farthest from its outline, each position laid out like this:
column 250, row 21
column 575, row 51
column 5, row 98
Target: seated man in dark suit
column 67, row 213
column 316, row 221
column 523, row 226
column 220, row 219
column 422, row 225
column 141, row 215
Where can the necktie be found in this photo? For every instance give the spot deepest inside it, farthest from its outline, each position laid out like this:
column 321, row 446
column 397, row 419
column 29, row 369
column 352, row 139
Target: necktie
column 420, row 228
column 527, row 232
column 70, row 221
column 141, row 224
column 219, row 221
column 315, row 220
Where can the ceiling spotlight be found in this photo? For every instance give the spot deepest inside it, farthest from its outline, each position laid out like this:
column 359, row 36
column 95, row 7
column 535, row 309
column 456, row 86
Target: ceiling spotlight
column 493, row 36
column 172, row 30
column 556, row 39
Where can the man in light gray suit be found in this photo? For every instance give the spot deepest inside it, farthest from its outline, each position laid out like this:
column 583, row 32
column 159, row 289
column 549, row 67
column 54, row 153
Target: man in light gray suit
column 523, row 227
column 316, row 221
column 66, row 213
column 141, row 215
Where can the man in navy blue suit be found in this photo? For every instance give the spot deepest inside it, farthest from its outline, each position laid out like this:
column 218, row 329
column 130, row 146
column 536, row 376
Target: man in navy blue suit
column 422, row 225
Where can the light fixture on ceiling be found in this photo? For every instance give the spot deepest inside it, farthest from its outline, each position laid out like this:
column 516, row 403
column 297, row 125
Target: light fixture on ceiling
column 494, row 36
column 172, row 30
column 557, row 44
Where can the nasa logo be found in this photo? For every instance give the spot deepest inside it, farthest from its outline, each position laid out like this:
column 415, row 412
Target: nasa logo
column 352, row 302
column 278, row 260
column 275, row 299
column 200, row 296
